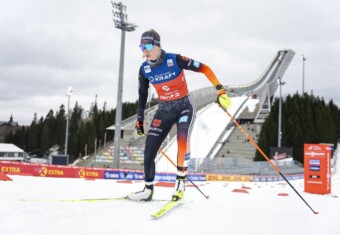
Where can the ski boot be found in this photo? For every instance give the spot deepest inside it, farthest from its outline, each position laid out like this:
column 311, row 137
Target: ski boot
column 179, row 188
column 145, row 195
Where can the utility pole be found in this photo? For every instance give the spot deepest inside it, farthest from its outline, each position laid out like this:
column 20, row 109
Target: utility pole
column 69, row 94
column 279, row 135
column 303, row 73
column 120, row 20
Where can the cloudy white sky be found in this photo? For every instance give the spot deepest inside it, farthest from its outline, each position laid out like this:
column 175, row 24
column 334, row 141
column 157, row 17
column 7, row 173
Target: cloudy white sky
column 46, row 46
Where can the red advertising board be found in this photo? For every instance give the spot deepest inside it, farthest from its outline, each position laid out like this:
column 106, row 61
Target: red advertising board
column 18, row 168
column 317, row 168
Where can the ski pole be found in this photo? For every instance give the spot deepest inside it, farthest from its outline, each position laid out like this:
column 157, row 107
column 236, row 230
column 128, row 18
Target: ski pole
column 266, row 157
column 164, row 154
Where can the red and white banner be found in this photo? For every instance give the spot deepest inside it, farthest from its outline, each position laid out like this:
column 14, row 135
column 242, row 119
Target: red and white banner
column 18, row 168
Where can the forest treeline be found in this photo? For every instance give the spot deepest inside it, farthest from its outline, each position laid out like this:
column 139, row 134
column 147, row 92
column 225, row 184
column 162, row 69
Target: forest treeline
column 305, row 119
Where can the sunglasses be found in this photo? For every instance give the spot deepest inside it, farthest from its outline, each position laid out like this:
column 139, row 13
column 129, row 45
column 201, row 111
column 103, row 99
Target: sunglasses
column 147, row 47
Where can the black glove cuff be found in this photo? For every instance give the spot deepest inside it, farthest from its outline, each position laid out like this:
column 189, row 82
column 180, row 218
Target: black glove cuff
column 219, row 87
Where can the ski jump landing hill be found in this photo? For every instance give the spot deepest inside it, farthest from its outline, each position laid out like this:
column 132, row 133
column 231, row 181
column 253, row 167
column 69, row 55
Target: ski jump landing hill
column 211, row 125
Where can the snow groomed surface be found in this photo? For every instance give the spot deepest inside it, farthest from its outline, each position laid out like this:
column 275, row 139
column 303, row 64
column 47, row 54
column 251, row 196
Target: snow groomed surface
column 234, row 208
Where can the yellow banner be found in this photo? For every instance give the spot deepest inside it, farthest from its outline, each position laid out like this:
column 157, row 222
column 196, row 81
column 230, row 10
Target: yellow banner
column 221, row 177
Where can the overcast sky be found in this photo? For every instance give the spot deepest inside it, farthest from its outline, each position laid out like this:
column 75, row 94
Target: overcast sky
column 46, row 46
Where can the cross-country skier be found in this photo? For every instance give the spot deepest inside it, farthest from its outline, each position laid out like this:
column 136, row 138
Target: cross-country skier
column 165, row 71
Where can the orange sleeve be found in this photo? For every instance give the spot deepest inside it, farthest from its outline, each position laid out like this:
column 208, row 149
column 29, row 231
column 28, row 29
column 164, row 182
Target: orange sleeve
column 209, row 74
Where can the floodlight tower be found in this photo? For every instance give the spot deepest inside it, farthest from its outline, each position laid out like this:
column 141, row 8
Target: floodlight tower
column 69, row 94
column 120, row 20
column 303, row 73
column 279, row 137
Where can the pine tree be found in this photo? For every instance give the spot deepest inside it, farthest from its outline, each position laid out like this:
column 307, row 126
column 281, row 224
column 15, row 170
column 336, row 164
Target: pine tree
column 60, row 127
column 33, row 137
column 335, row 113
column 44, row 144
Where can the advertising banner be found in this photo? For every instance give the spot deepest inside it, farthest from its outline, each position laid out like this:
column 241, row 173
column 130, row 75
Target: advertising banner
column 45, row 170
column 221, row 177
column 127, row 175
column 280, row 153
column 317, row 159
column 171, row 177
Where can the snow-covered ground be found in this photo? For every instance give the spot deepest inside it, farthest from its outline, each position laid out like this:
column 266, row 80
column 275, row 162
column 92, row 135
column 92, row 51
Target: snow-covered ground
column 258, row 210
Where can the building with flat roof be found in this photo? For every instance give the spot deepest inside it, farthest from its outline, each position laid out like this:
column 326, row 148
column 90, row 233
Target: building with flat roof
column 10, row 152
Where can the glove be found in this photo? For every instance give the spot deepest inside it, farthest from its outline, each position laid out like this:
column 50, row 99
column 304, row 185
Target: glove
column 222, row 99
column 140, row 128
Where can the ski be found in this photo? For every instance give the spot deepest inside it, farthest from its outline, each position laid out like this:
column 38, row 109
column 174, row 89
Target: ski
column 166, row 208
column 89, row 200
column 76, row 200
column 94, row 199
